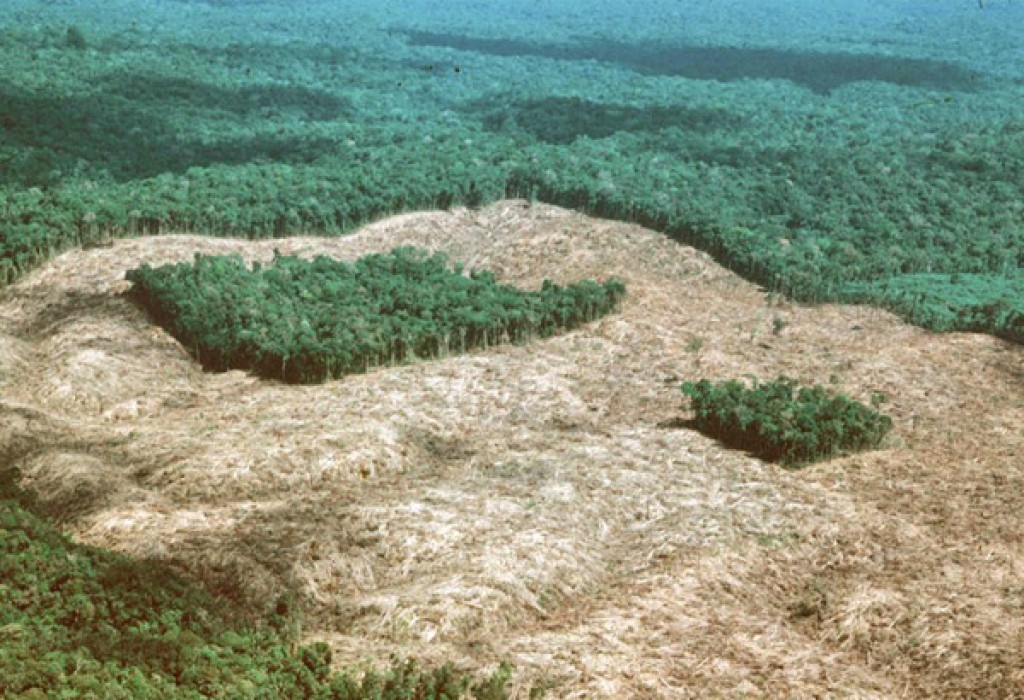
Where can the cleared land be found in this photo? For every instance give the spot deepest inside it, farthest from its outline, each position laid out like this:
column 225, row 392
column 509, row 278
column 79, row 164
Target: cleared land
column 537, row 504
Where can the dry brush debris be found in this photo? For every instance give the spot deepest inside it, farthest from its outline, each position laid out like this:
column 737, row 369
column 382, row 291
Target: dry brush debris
column 538, row 504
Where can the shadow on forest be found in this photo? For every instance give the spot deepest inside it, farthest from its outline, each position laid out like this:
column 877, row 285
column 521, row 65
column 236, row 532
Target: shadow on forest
column 560, row 120
column 122, row 128
column 821, row 72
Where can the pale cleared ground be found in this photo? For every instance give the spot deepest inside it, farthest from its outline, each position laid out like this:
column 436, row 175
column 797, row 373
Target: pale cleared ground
column 541, row 504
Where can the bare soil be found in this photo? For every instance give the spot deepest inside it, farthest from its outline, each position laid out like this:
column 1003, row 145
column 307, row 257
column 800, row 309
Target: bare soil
column 541, row 504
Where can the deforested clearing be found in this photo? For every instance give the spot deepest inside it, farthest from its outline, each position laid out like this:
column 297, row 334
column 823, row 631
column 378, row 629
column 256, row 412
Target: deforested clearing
column 543, row 504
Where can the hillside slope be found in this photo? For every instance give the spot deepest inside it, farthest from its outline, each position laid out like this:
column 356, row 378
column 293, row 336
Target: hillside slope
column 540, row 504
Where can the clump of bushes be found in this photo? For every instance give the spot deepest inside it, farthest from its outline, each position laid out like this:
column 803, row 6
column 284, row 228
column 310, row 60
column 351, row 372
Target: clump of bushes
column 82, row 622
column 308, row 321
column 780, row 421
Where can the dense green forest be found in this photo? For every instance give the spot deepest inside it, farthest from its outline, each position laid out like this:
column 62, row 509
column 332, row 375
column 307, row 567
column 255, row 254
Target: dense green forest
column 826, row 176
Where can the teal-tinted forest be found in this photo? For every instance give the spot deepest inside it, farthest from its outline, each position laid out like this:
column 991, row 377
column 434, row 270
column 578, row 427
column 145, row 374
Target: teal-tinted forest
column 870, row 153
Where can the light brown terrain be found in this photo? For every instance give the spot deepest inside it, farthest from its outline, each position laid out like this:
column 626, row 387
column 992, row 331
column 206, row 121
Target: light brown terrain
column 542, row 504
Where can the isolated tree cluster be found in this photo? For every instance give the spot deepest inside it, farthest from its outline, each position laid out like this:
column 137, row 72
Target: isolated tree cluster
column 783, row 421
column 307, row 321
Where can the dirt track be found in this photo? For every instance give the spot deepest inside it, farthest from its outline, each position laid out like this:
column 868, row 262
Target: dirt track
column 535, row 504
